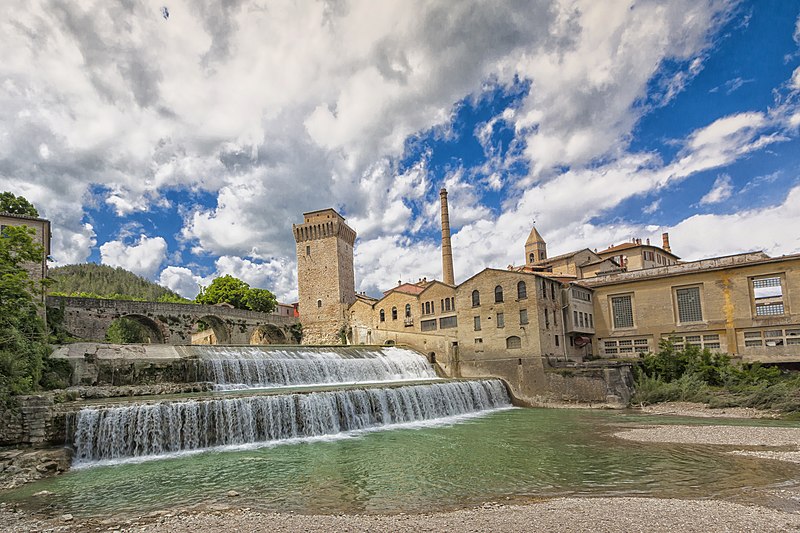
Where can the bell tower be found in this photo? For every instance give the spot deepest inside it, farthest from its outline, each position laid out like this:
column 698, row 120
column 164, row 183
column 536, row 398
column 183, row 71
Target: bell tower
column 535, row 248
column 325, row 278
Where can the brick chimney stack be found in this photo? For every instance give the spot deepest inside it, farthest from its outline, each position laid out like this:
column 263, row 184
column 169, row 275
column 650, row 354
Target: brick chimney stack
column 447, row 250
column 665, row 242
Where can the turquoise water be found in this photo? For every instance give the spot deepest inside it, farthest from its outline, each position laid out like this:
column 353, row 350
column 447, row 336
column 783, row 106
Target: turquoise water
column 515, row 454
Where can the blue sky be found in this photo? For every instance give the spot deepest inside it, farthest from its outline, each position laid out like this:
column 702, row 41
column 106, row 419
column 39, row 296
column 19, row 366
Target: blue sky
column 184, row 148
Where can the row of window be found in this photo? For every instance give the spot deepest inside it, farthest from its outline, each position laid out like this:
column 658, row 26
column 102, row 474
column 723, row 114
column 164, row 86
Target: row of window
column 522, row 292
column 513, row 342
column 772, row 337
column 581, row 319
column 446, row 322
column 382, row 313
column 767, row 301
column 445, row 305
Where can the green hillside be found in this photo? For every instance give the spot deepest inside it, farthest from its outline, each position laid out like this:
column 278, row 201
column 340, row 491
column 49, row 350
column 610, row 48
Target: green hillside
column 102, row 281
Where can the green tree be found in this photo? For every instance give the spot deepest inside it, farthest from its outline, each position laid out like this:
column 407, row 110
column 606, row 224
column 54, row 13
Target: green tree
column 261, row 300
column 236, row 292
column 23, row 336
column 225, row 289
column 127, row 331
column 17, row 205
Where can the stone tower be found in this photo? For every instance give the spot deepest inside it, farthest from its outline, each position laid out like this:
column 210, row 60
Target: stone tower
column 325, row 279
column 535, row 248
column 447, row 249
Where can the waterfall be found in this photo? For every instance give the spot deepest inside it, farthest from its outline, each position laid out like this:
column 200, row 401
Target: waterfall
column 155, row 429
column 262, row 367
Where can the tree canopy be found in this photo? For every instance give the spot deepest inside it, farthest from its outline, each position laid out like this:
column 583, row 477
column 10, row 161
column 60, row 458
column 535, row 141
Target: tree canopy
column 24, row 361
column 231, row 290
column 91, row 280
column 16, row 205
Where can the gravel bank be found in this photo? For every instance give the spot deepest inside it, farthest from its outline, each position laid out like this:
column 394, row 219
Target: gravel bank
column 703, row 411
column 725, row 435
column 560, row 515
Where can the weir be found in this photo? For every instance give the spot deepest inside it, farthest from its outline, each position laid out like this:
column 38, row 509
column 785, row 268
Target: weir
column 263, row 367
column 377, row 395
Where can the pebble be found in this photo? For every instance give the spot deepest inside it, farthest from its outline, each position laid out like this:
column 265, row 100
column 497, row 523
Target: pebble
column 232, row 493
column 67, row 517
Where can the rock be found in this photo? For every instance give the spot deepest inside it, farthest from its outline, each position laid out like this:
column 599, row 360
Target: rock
column 232, row 493
column 67, row 517
column 43, row 493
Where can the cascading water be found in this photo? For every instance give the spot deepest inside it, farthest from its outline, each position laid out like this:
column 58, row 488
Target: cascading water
column 169, row 427
column 262, row 367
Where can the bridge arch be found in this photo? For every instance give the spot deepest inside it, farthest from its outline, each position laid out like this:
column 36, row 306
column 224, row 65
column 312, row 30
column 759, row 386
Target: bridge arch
column 152, row 332
column 268, row 334
column 210, row 329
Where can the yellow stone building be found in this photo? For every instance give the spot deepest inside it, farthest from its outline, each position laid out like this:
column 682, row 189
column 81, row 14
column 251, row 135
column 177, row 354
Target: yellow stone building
column 534, row 325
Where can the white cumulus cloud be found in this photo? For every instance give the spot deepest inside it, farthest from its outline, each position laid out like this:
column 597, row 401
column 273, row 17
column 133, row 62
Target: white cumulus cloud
column 144, row 257
column 720, row 191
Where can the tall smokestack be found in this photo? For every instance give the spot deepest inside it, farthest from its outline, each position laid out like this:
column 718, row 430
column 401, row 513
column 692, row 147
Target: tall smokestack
column 665, row 242
column 447, row 250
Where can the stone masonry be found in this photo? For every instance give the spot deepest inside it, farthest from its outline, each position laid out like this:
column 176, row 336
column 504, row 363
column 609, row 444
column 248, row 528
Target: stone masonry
column 326, row 282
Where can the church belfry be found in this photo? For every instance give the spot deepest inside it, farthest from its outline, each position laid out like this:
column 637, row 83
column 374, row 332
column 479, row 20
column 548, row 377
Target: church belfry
column 325, row 278
column 535, row 248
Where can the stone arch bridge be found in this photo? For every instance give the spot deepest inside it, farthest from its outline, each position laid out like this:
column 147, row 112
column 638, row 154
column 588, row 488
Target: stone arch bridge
column 173, row 323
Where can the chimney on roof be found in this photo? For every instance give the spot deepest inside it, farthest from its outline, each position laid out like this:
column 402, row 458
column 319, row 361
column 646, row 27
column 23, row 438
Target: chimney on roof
column 447, row 250
column 665, row 242
column 648, row 241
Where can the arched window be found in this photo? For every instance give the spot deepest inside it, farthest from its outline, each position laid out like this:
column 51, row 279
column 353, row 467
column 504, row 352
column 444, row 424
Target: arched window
column 408, row 310
column 383, row 316
column 319, row 303
column 513, row 342
column 476, row 298
column 498, row 294
column 531, row 257
column 394, row 313
column 522, row 290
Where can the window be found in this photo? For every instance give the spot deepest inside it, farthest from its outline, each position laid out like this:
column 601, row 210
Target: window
column 531, row 257
column 448, row 322
column 546, row 319
column 544, row 289
column 591, row 322
column 498, row 294
column 571, row 341
column 408, row 310
column 575, row 319
column 523, row 316
column 446, row 304
column 772, row 337
column 513, row 342
column 476, row 323
column 580, row 319
column 308, row 250
column 689, row 309
column 476, row 298
column 383, row 316
column 501, row 320
column 557, row 340
column 478, row 340
column 542, row 255
column 580, row 294
column 319, row 303
column 394, row 313
column 622, row 311
column 522, row 290
column 553, row 291
column 768, row 296
column 428, row 325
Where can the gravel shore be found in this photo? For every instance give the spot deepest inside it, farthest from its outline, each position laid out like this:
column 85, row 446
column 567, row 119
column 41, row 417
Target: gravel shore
column 703, row 411
column 559, row 515
column 725, row 435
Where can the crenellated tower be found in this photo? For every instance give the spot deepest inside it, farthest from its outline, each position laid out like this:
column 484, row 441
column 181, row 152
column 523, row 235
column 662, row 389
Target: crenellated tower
column 325, row 278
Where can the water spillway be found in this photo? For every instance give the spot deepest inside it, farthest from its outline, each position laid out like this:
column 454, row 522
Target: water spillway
column 237, row 368
column 142, row 430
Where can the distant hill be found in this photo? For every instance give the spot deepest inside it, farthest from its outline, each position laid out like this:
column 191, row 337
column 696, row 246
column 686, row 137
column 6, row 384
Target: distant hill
column 101, row 281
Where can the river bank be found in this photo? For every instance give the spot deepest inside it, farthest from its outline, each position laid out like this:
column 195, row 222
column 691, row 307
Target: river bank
column 559, row 515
